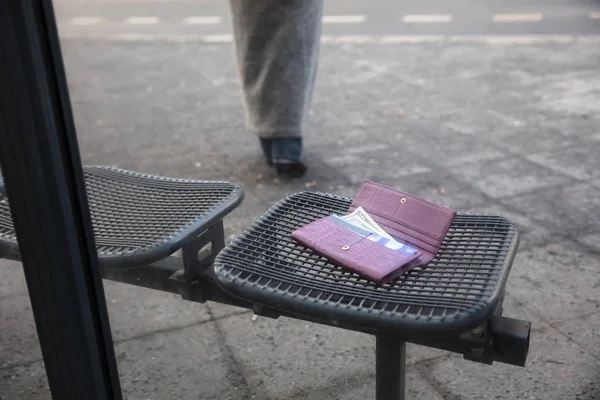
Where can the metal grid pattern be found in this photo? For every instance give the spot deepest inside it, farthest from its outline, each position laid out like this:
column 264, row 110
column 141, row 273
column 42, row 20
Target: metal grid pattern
column 134, row 213
column 266, row 265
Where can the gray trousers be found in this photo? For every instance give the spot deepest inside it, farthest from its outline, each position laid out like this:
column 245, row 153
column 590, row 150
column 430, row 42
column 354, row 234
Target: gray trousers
column 277, row 50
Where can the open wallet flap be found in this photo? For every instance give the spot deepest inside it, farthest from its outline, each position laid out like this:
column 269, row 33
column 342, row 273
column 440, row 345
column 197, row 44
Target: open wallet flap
column 409, row 219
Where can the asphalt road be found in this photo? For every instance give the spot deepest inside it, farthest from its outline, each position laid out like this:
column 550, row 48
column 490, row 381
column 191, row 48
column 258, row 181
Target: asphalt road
column 348, row 17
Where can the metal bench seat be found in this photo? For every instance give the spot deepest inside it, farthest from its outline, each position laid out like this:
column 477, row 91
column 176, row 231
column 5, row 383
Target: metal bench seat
column 453, row 303
column 456, row 291
column 138, row 218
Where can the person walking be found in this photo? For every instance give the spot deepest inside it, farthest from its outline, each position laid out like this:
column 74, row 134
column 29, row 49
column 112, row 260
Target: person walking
column 277, row 50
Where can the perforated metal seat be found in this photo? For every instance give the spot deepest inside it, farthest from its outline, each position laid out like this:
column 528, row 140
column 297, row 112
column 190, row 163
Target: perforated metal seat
column 140, row 218
column 460, row 289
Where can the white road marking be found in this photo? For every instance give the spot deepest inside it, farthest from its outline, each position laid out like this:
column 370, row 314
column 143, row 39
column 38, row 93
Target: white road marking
column 218, row 39
column 344, row 19
column 86, row 20
column 533, row 17
column 202, row 20
column 366, row 39
column 519, row 39
column 386, row 39
column 393, row 39
column 142, row 20
column 427, row 18
column 595, row 15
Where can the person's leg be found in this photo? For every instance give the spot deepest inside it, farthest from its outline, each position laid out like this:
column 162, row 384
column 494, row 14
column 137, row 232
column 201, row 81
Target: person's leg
column 277, row 49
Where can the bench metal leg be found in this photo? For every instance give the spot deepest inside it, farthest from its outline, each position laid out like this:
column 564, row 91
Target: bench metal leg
column 390, row 368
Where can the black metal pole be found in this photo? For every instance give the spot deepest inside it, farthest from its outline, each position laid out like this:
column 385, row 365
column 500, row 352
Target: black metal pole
column 44, row 182
column 390, row 368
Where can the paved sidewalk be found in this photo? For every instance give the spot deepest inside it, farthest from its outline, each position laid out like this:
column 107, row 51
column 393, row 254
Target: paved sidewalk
column 511, row 129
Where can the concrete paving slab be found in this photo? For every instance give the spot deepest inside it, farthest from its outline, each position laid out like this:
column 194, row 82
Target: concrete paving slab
column 136, row 311
column 450, row 144
column 24, row 382
column 572, row 92
column 385, row 166
column 580, row 163
column 18, row 335
column 266, row 185
column 13, row 280
column 188, row 363
column 538, row 137
column 507, row 177
column 593, row 241
column 474, row 124
column 583, row 127
column 585, row 331
column 556, row 369
column 557, row 282
column 515, row 308
column 416, row 388
column 282, row 356
column 219, row 311
column 184, row 363
column 133, row 312
column 271, row 189
column 572, row 209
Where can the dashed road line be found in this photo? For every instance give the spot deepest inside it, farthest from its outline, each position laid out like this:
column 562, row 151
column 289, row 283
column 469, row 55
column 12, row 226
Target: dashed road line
column 427, row 18
column 202, row 20
column 376, row 39
column 219, row 38
column 531, row 17
column 344, row 19
column 142, row 20
column 523, row 39
column 327, row 19
column 366, row 39
column 86, row 20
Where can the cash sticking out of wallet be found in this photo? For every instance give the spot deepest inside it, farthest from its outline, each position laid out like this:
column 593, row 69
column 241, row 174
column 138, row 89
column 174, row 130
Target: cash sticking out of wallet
column 362, row 219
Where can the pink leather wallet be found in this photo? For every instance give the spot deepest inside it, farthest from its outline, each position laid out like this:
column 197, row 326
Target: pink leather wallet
column 418, row 225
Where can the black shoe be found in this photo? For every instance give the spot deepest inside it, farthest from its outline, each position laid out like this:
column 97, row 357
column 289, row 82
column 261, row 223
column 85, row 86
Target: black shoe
column 265, row 144
column 290, row 170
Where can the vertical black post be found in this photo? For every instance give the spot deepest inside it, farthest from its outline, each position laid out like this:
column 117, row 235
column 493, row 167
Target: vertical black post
column 390, row 369
column 44, row 183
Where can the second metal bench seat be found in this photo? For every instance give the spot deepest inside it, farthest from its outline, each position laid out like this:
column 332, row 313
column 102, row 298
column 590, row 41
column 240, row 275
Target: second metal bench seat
column 138, row 218
column 455, row 302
